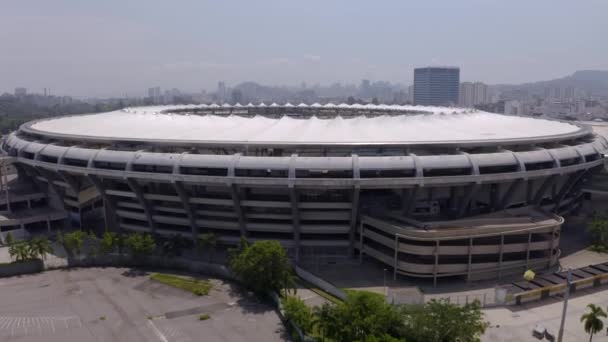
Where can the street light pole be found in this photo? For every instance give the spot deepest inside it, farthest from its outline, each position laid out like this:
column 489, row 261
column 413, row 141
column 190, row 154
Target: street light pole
column 560, row 334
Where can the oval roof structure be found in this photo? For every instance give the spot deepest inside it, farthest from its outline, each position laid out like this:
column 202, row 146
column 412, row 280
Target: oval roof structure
column 434, row 125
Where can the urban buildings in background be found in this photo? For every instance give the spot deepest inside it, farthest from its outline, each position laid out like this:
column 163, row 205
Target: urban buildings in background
column 154, row 94
column 580, row 96
column 436, row 86
column 20, row 91
column 472, row 94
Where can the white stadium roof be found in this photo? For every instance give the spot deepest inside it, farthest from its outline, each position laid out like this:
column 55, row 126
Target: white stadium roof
column 435, row 125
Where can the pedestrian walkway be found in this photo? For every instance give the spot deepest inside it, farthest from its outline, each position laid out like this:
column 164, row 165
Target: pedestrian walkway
column 515, row 323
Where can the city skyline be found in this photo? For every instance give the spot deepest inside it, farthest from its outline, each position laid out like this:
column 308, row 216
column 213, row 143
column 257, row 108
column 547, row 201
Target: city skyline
column 197, row 44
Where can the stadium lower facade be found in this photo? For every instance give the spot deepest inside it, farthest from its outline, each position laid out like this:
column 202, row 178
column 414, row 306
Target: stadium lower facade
column 431, row 192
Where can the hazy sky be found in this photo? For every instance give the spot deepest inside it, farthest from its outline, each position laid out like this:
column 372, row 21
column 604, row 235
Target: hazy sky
column 112, row 47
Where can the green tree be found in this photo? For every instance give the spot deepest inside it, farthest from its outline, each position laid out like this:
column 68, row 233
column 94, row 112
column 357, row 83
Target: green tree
column 19, row 251
column 207, row 241
column 108, row 243
column 140, row 245
column 9, row 239
column 298, row 312
column 264, row 266
column 39, row 247
column 440, row 321
column 598, row 230
column 592, row 320
column 362, row 316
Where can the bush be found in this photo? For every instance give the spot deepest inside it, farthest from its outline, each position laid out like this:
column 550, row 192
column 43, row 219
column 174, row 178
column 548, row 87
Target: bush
column 108, row 243
column 72, row 242
column 140, row 245
column 263, row 267
column 298, row 312
column 204, row 317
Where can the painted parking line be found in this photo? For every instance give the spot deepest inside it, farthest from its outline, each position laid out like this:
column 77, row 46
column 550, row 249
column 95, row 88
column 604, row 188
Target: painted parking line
column 38, row 325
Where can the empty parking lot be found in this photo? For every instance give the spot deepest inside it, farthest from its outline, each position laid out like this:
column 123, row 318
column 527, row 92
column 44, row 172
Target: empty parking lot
column 119, row 304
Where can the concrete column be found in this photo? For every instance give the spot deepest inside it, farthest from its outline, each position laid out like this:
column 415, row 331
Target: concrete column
column 528, row 249
column 361, row 247
column 500, row 254
column 353, row 218
column 5, row 185
column 396, row 257
column 436, row 267
column 469, row 264
column 239, row 210
column 295, row 217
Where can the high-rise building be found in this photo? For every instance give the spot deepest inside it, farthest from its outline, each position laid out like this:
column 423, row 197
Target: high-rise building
column 410, row 94
column 154, row 94
column 221, row 91
column 472, row 94
column 466, row 94
column 480, row 93
column 436, row 86
column 20, row 92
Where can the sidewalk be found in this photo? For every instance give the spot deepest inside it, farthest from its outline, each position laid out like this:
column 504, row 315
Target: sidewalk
column 515, row 323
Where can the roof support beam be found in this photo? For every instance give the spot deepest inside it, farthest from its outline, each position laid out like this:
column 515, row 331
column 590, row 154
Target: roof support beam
column 470, row 192
column 48, row 176
column 508, row 196
column 572, row 181
column 110, row 217
column 546, row 185
column 70, row 181
column 136, row 188
column 185, row 198
column 410, row 204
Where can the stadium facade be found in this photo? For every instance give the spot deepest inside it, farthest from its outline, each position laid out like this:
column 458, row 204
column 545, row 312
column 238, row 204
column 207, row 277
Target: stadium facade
column 432, row 192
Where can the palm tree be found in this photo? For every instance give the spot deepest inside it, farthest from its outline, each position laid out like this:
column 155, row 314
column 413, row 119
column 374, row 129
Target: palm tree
column 40, row 247
column 592, row 320
column 20, row 251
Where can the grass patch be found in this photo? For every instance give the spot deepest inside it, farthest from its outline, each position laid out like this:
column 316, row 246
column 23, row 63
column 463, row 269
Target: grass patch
column 102, row 318
column 196, row 286
column 204, row 317
column 376, row 294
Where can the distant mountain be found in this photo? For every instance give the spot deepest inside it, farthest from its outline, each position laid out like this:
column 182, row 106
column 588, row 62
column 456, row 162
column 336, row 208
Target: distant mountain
column 594, row 82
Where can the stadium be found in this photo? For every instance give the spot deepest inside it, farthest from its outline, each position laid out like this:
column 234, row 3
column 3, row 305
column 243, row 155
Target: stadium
column 431, row 192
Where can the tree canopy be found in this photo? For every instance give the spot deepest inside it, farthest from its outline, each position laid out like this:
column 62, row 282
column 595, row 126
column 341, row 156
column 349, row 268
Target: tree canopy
column 440, row 321
column 363, row 316
column 598, row 229
column 263, row 266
